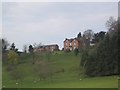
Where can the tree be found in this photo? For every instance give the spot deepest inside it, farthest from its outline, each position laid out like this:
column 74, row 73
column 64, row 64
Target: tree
column 84, row 57
column 16, row 74
column 79, row 35
column 111, row 24
column 88, row 34
column 102, row 59
column 87, row 37
column 25, row 48
column 99, row 36
column 12, row 47
column 12, row 67
column 40, row 44
column 42, row 69
column 16, row 49
column 12, row 57
column 48, row 55
column 76, row 51
column 1, row 43
column 5, row 45
column 31, row 50
column 35, row 45
column 4, row 48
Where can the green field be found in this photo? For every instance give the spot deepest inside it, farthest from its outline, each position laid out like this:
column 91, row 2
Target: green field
column 72, row 77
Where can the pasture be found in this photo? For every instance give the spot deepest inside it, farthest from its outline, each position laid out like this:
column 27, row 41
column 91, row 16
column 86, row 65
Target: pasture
column 66, row 69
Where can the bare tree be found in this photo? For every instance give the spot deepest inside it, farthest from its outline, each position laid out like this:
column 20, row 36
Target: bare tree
column 35, row 45
column 87, row 37
column 88, row 34
column 111, row 24
column 42, row 69
column 25, row 48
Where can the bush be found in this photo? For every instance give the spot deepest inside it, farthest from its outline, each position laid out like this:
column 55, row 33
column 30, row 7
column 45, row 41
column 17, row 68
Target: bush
column 12, row 57
column 67, row 50
column 16, row 74
column 76, row 51
column 43, row 69
column 102, row 59
column 12, row 66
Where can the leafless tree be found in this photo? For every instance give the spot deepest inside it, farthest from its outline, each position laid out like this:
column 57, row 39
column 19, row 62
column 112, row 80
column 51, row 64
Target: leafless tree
column 25, row 48
column 87, row 37
column 42, row 69
column 111, row 24
column 88, row 34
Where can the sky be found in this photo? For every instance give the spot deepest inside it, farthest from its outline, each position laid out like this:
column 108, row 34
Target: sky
column 52, row 22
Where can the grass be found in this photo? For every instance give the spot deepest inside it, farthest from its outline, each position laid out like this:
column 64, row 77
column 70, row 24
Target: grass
column 70, row 78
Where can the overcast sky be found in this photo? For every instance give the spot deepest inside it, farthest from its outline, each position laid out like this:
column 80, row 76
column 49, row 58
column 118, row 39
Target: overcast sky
column 50, row 23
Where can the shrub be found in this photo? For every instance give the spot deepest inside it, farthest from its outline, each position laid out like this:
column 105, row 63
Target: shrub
column 12, row 57
column 76, row 51
column 67, row 50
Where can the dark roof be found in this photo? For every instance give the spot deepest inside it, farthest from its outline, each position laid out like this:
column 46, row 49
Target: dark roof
column 50, row 45
column 43, row 46
column 72, row 39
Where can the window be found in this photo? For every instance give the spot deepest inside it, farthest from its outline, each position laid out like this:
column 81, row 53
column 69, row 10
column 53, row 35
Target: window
column 70, row 49
column 66, row 43
column 74, row 44
column 74, row 47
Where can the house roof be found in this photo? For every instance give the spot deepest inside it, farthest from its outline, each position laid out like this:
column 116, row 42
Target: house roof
column 72, row 39
column 50, row 45
column 43, row 46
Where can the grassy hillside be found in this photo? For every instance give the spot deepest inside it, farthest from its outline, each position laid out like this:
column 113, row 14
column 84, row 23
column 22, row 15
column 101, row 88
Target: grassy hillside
column 72, row 75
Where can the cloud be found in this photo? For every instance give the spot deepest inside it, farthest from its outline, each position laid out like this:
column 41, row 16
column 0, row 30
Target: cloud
column 53, row 22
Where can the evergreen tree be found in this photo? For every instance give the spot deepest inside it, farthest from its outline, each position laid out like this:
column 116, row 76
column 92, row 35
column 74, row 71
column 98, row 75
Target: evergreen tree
column 79, row 35
column 31, row 49
column 102, row 59
column 12, row 46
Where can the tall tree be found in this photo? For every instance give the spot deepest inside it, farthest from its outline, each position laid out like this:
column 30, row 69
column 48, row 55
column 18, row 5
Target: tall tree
column 13, row 61
column 88, row 34
column 79, row 35
column 111, row 24
column 25, row 48
column 102, row 59
column 99, row 36
column 12, row 57
column 12, row 46
column 5, row 44
column 76, row 51
column 31, row 50
column 43, row 69
column 87, row 37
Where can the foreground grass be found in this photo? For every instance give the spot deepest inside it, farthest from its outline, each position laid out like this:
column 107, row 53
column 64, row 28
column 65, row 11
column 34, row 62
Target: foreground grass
column 70, row 78
column 101, row 82
column 98, row 82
